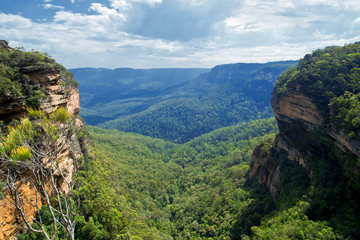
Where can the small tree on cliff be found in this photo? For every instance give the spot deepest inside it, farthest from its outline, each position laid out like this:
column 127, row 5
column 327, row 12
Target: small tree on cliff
column 33, row 156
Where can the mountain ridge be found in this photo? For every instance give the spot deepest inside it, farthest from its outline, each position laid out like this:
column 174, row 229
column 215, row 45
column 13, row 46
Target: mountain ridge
column 175, row 113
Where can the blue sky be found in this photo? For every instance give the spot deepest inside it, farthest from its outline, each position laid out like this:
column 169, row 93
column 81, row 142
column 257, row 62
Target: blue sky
column 177, row 33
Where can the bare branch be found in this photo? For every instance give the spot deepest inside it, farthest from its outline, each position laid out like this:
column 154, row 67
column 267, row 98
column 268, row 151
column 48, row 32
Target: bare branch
column 43, row 174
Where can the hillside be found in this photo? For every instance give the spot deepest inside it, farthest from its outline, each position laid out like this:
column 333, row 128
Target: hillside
column 295, row 176
column 168, row 191
column 42, row 142
column 228, row 94
column 99, row 86
column 316, row 105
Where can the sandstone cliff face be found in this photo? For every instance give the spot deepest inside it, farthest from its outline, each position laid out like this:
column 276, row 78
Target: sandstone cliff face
column 297, row 117
column 57, row 94
column 293, row 107
column 265, row 170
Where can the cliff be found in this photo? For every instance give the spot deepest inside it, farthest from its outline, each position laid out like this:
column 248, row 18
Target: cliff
column 33, row 80
column 317, row 109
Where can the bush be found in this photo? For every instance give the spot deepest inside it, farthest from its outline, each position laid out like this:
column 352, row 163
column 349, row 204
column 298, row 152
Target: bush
column 60, row 115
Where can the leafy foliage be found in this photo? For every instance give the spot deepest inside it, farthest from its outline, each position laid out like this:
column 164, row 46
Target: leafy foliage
column 330, row 78
column 328, row 74
column 293, row 224
column 161, row 190
column 15, row 64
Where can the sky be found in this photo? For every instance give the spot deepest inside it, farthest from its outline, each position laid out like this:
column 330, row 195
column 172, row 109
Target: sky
column 177, row 33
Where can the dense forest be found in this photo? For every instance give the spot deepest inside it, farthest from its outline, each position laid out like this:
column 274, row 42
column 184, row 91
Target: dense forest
column 198, row 186
column 228, row 94
column 137, row 187
column 140, row 187
column 125, row 90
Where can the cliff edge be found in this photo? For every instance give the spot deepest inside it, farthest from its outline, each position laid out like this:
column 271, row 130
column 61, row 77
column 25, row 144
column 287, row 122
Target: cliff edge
column 34, row 82
column 317, row 107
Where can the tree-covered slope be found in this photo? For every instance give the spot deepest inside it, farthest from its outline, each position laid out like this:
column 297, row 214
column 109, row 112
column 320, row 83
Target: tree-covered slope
column 168, row 191
column 100, row 85
column 316, row 105
column 140, row 187
column 227, row 95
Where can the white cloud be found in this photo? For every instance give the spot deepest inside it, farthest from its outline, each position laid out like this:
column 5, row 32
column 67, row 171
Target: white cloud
column 150, row 2
column 13, row 22
column 120, row 4
column 125, row 4
column 185, row 33
column 51, row 6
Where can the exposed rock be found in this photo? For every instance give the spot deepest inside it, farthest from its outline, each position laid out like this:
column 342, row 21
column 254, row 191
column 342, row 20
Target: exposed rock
column 295, row 113
column 50, row 81
column 346, row 143
column 9, row 217
column 265, row 170
column 12, row 108
column 294, row 107
column 292, row 153
column 297, row 117
column 57, row 95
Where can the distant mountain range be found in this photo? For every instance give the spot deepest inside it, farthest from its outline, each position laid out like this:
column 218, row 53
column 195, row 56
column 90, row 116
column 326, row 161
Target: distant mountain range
column 177, row 104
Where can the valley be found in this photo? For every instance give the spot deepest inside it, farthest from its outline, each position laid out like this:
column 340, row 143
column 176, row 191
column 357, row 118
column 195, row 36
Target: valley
column 178, row 112
column 239, row 151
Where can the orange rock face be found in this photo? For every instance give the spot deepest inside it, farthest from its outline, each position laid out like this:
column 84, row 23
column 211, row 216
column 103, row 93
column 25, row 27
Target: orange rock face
column 293, row 106
column 57, row 95
column 9, row 217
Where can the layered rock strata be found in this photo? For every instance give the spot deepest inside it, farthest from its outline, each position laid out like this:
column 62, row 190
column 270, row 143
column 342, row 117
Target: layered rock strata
column 57, row 94
column 297, row 116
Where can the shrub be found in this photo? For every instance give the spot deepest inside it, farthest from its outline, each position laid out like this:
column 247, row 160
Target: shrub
column 60, row 115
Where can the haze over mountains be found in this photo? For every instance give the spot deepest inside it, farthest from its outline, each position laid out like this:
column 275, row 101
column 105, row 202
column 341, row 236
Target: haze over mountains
column 177, row 104
column 295, row 176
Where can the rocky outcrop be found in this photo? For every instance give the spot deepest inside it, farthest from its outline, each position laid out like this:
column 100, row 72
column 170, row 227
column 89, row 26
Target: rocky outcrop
column 345, row 142
column 56, row 94
column 265, row 170
column 293, row 107
column 9, row 218
column 5, row 44
column 12, row 108
column 297, row 116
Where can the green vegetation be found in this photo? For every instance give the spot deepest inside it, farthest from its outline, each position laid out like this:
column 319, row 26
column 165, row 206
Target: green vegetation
column 166, row 191
column 15, row 142
column 329, row 76
column 137, row 187
column 225, row 96
column 30, row 153
column 293, row 224
column 144, row 188
column 16, row 64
